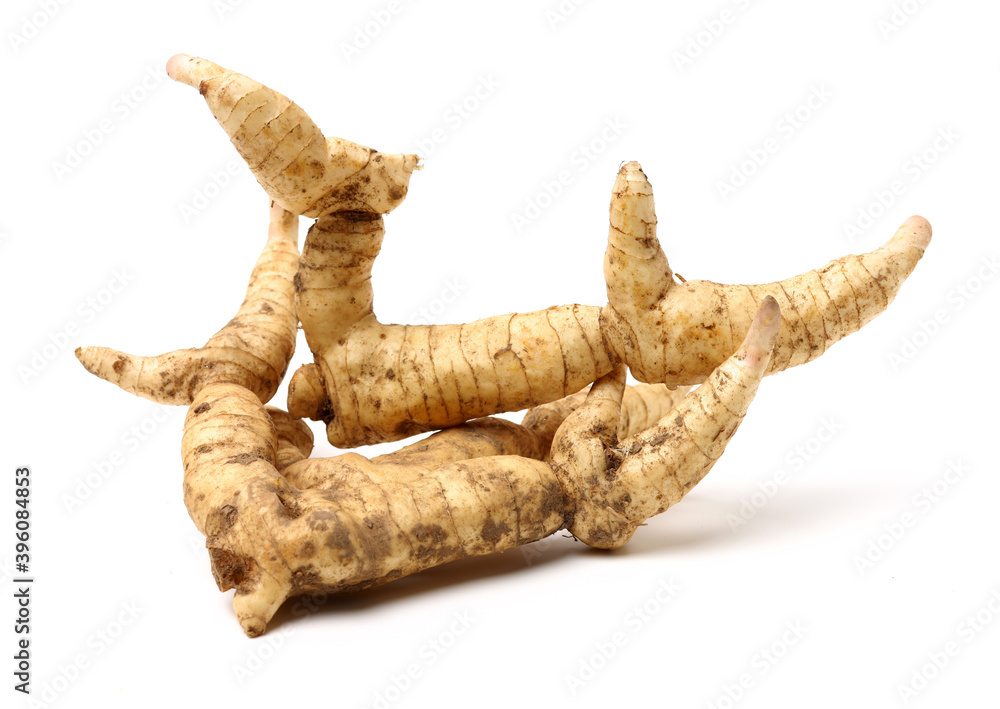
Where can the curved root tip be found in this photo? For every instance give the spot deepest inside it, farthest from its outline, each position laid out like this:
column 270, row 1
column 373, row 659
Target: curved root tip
column 104, row 362
column 176, row 64
column 253, row 627
column 762, row 335
column 256, row 607
column 191, row 70
column 915, row 232
column 142, row 376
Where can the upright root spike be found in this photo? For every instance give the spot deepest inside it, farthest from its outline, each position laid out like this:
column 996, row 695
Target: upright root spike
column 635, row 266
column 676, row 333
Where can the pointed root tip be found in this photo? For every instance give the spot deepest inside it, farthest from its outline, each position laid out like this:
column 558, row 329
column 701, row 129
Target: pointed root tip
column 631, row 179
column 915, row 231
column 191, row 70
column 89, row 357
column 632, row 167
column 127, row 372
column 255, row 607
column 177, row 67
column 763, row 333
column 253, row 627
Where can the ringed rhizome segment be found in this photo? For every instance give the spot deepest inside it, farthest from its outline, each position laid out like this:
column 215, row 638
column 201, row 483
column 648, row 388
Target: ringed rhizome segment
column 372, row 382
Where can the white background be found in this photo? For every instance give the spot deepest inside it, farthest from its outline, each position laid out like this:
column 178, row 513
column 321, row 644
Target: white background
column 123, row 208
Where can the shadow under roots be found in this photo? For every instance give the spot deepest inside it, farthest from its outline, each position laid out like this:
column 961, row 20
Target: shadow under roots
column 699, row 524
column 726, row 521
column 522, row 559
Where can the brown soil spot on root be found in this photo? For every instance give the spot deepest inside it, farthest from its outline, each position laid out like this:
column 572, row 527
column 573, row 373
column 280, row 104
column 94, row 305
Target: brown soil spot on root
column 231, row 570
column 492, row 531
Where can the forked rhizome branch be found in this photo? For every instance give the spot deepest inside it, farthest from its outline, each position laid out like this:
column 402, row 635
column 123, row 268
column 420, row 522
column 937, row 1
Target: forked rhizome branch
column 593, row 456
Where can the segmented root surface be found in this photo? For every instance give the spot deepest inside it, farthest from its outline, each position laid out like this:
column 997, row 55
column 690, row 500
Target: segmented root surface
column 279, row 524
column 360, row 524
column 373, row 382
column 296, row 165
